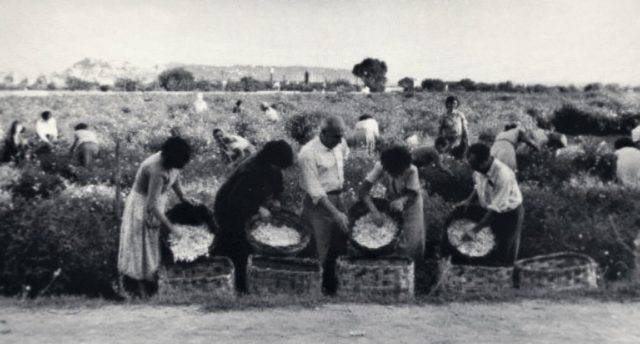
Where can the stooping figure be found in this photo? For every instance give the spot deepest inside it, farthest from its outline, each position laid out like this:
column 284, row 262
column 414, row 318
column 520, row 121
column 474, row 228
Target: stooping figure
column 86, row 141
column 453, row 127
column 497, row 192
column 252, row 189
column 627, row 163
column 47, row 128
column 506, row 143
column 400, row 178
column 269, row 112
column 199, row 105
column 15, row 143
column 426, row 156
column 321, row 163
column 233, row 148
column 367, row 130
column 144, row 215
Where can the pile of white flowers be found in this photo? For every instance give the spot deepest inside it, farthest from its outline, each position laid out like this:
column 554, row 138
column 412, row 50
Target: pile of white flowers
column 88, row 191
column 194, row 242
column 276, row 236
column 367, row 234
column 481, row 244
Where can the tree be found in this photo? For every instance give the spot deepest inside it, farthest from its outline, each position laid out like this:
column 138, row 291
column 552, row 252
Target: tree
column 126, row 84
column 468, row 85
column 176, row 79
column 433, row 85
column 406, row 83
column 373, row 73
column 74, row 84
column 40, row 83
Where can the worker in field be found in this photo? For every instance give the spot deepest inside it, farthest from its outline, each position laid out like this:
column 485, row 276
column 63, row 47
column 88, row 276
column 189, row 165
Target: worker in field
column 400, row 178
column 453, row 127
column 253, row 188
column 321, row 163
column 15, row 144
column 497, row 192
column 237, row 109
column 199, row 105
column 425, row 156
column 506, row 143
column 86, row 142
column 367, row 130
column 627, row 162
column 233, row 148
column 144, row 215
column 270, row 113
column 47, row 128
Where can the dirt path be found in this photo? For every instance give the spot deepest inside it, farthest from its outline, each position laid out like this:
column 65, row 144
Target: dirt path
column 527, row 322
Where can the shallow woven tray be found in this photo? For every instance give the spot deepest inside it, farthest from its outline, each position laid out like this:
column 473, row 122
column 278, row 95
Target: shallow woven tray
column 280, row 218
column 558, row 271
column 359, row 210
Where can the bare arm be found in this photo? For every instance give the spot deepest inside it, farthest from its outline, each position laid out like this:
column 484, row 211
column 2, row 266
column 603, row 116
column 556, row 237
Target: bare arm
column 365, row 194
column 177, row 188
column 153, row 196
column 73, row 146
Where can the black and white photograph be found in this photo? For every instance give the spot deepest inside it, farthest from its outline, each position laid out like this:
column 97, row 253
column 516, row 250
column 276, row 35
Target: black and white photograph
column 320, row 171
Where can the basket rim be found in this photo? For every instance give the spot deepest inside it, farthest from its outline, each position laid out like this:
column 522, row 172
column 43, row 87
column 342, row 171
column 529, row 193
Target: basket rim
column 383, row 206
column 301, row 227
column 588, row 261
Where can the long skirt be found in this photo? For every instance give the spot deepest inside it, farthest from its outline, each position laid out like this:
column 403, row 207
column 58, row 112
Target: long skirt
column 412, row 238
column 506, row 153
column 139, row 250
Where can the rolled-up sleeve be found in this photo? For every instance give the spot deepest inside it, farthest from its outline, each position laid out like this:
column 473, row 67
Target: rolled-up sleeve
column 309, row 179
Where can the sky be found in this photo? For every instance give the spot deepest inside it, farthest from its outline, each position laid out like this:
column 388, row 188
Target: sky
column 526, row 41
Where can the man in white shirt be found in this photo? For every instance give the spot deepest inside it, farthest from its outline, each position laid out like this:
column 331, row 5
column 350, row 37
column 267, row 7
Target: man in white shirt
column 321, row 162
column 367, row 128
column 496, row 191
column 627, row 164
column 47, row 128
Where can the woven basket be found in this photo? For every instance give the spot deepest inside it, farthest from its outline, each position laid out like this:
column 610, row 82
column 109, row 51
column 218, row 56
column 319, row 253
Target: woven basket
column 558, row 271
column 385, row 277
column 359, row 210
column 280, row 218
column 464, row 279
column 212, row 276
column 283, row 275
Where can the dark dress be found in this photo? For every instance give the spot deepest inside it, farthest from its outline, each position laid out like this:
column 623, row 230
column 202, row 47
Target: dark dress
column 237, row 201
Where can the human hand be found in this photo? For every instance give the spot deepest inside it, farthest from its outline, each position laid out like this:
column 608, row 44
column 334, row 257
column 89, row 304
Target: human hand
column 264, row 213
column 397, row 205
column 343, row 221
column 378, row 219
column 176, row 235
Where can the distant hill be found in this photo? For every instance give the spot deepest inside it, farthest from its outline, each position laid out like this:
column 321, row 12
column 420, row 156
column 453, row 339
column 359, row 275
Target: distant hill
column 106, row 72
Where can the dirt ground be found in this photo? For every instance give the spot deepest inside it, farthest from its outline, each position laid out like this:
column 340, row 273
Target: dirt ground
column 518, row 322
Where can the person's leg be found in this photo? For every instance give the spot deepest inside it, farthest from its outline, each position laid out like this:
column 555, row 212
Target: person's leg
column 506, row 228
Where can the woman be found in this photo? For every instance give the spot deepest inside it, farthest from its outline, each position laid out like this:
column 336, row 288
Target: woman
column 47, row 128
column 15, row 144
column 87, row 143
column 253, row 186
column 367, row 130
column 233, row 148
column 144, row 214
column 400, row 178
column 506, row 143
column 453, row 127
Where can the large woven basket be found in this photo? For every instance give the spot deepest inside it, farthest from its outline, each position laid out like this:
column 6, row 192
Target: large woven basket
column 359, row 210
column 558, row 271
column 280, row 218
column 283, row 275
column 385, row 277
column 212, row 276
column 465, row 279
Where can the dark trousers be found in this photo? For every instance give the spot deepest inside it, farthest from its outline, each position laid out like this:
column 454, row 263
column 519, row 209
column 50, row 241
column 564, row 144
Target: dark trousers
column 330, row 241
column 507, row 229
column 87, row 152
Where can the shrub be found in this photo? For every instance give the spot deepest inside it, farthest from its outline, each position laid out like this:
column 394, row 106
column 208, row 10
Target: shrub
column 176, row 79
column 74, row 84
column 433, row 85
column 77, row 235
column 128, row 85
column 406, row 83
column 572, row 120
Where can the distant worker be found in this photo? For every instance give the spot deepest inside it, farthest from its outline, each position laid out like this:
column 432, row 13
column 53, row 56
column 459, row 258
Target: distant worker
column 15, row 144
column 627, row 164
column 506, row 143
column 453, row 127
column 86, row 141
column 271, row 113
column 367, row 128
column 47, row 128
column 199, row 104
column 233, row 148
column 237, row 109
column 426, row 156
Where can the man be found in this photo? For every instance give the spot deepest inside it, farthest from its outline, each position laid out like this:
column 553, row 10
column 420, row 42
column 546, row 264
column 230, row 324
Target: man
column 497, row 192
column 367, row 130
column 47, row 128
column 627, row 163
column 426, row 156
column 321, row 163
